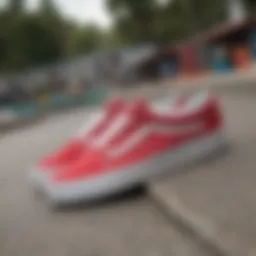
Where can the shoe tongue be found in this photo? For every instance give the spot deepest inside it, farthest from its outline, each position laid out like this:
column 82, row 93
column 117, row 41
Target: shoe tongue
column 114, row 105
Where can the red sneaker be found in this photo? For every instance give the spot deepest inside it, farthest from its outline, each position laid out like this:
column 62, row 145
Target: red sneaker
column 137, row 146
column 78, row 144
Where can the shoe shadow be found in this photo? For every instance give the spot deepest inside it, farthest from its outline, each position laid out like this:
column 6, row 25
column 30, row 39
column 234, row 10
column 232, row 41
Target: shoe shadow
column 132, row 194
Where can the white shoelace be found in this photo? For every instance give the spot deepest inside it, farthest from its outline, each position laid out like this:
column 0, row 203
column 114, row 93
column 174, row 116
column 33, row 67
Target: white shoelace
column 114, row 129
column 94, row 121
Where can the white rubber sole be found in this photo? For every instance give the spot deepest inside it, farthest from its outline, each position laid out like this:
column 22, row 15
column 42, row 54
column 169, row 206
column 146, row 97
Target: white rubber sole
column 121, row 180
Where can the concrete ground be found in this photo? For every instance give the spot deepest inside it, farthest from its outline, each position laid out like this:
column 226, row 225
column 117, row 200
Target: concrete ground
column 206, row 210
column 219, row 82
column 216, row 200
column 130, row 225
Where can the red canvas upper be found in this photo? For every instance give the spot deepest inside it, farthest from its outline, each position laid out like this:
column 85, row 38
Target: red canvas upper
column 139, row 133
column 79, row 143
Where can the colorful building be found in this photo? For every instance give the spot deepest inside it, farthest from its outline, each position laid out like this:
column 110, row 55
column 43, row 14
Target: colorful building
column 226, row 47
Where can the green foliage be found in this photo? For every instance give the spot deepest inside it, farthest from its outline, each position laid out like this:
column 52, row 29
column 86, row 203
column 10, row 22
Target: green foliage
column 84, row 39
column 149, row 20
column 32, row 39
column 29, row 39
column 134, row 19
column 207, row 13
column 171, row 24
column 251, row 5
column 16, row 6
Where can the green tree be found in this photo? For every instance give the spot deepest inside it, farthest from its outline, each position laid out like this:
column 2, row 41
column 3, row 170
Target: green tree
column 16, row 6
column 194, row 16
column 30, row 39
column 30, row 42
column 251, row 5
column 85, row 39
column 206, row 14
column 172, row 24
column 49, row 9
column 56, row 26
column 149, row 20
column 4, row 34
column 134, row 19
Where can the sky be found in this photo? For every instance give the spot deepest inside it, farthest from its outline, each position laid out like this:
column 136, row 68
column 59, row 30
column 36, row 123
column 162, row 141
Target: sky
column 80, row 10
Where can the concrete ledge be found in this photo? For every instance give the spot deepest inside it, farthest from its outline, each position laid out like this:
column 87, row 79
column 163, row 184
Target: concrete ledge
column 216, row 200
column 186, row 220
column 18, row 121
column 18, row 115
column 239, row 82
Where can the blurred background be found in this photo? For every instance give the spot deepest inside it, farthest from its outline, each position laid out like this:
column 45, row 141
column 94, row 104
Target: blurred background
column 63, row 54
column 59, row 53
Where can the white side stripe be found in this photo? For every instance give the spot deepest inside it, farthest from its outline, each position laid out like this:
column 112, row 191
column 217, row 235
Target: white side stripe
column 145, row 131
column 114, row 129
column 94, row 120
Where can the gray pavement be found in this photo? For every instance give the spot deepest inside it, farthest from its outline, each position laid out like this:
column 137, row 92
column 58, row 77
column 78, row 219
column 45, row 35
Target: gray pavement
column 214, row 200
column 217, row 200
column 240, row 81
column 131, row 226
